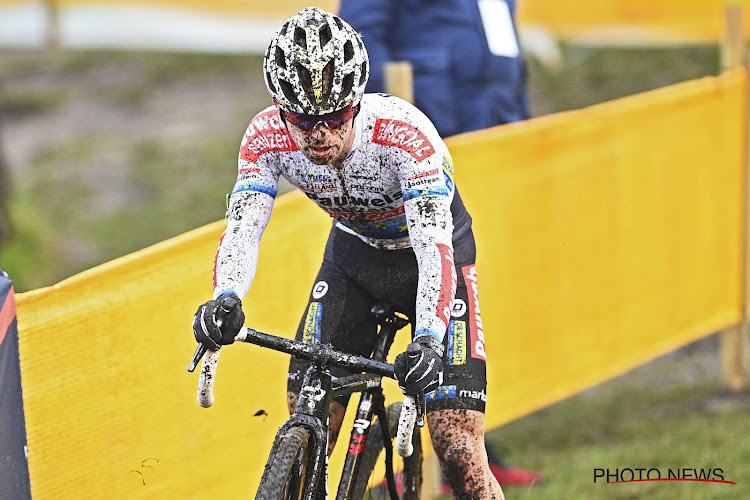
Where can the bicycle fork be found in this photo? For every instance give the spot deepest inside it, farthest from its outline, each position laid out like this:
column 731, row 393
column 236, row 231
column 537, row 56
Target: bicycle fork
column 312, row 413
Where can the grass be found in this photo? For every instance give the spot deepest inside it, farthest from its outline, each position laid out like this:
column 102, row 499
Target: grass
column 650, row 427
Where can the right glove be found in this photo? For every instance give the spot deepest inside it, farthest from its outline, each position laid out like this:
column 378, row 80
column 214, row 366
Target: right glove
column 420, row 368
column 218, row 321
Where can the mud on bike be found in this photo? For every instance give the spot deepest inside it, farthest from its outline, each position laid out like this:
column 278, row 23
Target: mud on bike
column 297, row 467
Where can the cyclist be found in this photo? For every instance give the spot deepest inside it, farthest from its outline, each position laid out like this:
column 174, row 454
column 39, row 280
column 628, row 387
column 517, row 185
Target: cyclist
column 400, row 234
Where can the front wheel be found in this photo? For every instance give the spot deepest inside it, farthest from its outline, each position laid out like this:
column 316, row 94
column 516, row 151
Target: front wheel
column 408, row 480
column 286, row 469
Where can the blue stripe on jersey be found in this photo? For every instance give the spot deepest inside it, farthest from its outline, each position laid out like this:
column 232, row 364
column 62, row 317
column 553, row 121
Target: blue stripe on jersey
column 410, row 194
column 255, row 187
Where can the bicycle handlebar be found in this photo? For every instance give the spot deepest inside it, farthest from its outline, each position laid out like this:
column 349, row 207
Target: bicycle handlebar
column 406, row 422
column 318, row 353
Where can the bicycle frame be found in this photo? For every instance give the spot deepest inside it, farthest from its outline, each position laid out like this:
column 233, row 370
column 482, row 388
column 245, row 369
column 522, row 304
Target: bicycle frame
column 320, row 388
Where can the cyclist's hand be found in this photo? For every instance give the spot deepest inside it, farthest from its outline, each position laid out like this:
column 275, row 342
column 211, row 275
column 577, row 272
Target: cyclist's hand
column 420, row 367
column 218, row 321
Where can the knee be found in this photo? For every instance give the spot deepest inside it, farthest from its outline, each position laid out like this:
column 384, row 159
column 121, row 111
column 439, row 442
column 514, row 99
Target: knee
column 459, row 452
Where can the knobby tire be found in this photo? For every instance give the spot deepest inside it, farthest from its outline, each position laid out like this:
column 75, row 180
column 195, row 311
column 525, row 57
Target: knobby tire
column 286, row 469
column 412, row 466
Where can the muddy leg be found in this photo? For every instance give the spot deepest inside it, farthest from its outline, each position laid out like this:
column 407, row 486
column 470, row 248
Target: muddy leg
column 458, row 439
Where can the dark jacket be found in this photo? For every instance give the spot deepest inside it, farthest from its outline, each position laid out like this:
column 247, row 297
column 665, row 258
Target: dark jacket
column 458, row 83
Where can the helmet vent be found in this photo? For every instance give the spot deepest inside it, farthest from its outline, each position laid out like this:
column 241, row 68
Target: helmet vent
column 305, row 80
column 289, row 92
column 325, row 35
column 347, row 84
column 348, row 51
column 300, row 37
column 280, row 59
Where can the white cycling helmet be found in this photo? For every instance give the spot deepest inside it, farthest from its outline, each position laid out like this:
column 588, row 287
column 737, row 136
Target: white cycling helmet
column 316, row 63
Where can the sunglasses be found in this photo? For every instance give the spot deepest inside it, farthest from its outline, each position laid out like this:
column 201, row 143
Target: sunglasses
column 330, row 120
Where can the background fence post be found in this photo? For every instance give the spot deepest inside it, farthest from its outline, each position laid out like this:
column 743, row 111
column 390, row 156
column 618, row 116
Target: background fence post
column 734, row 341
column 399, row 79
column 52, row 36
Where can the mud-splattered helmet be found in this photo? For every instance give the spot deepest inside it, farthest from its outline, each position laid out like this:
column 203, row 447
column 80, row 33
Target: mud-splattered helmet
column 316, row 63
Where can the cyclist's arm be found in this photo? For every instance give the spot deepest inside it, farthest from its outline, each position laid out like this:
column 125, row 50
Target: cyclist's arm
column 428, row 215
column 249, row 210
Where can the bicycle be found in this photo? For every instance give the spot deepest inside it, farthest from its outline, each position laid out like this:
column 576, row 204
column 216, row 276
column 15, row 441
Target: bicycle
column 297, row 466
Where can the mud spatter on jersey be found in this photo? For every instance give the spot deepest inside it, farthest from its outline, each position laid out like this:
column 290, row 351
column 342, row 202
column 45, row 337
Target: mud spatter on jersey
column 395, row 190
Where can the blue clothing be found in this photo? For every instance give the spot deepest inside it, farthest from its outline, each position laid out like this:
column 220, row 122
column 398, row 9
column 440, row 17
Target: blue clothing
column 458, row 83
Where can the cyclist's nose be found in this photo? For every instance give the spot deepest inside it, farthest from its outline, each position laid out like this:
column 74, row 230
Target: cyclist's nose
column 320, row 130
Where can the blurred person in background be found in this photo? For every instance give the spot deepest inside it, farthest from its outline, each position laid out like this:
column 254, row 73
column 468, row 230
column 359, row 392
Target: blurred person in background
column 469, row 71
column 469, row 74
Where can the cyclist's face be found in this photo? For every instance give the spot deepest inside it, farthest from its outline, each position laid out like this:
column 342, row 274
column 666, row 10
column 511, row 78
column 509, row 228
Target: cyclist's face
column 325, row 139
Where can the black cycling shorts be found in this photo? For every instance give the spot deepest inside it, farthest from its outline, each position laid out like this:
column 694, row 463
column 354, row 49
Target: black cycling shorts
column 355, row 275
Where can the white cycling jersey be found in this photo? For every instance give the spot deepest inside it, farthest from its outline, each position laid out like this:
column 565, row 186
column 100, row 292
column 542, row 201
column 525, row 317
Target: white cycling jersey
column 395, row 190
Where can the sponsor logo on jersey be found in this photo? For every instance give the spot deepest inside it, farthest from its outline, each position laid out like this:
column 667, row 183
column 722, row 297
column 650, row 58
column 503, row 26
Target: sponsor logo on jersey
column 457, row 343
column 266, row 133
column 459, row 308
column 475, row 319
column 372, row 204
column 448, row 172
column 366, row 187
column 447, row 283
column 424, row 180
column 319, row 290
column 468, row 393
column 364, row 217
column 249, row 170
column 428, row 173
column 442, row 392
column 311, row 332
column 403, row 136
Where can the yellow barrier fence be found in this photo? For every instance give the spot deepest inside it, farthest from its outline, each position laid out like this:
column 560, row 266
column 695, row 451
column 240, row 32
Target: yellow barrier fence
column 607, row 236
column 631, row 20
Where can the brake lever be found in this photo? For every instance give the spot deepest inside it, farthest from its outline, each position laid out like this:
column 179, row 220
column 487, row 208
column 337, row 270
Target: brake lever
column 199, row 352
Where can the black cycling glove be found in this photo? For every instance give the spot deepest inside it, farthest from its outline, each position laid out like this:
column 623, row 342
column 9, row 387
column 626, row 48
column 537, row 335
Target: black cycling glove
column 218, row 321
column 420, row 368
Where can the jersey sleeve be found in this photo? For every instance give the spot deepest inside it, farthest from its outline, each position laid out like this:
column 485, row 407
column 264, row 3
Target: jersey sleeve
column 425, row 172
column 249, row 207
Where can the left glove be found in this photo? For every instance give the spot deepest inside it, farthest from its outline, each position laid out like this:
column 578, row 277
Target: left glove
column 218, row 321
column 420, row 368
